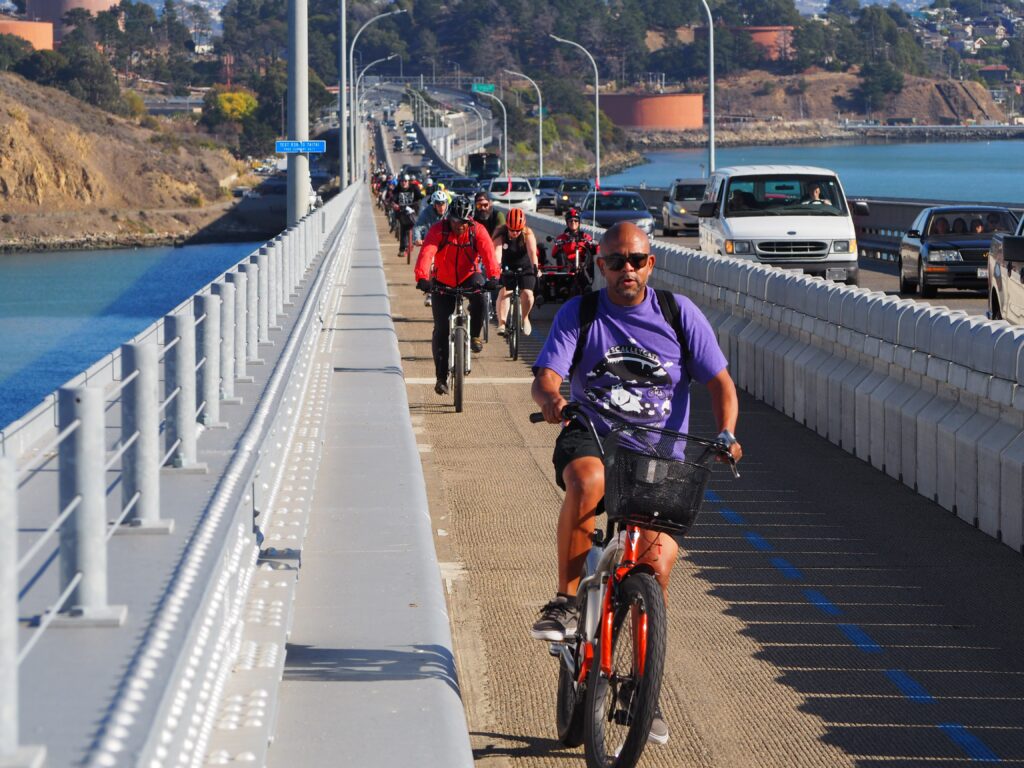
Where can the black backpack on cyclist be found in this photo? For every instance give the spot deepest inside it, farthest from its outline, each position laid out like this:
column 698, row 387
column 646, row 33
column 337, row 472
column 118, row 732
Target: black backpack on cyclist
column 669, row 309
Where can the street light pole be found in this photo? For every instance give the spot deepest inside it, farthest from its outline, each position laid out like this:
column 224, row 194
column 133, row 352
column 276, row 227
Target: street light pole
column 711, row 89
column 359, row 134
column 342, row 88
column 504, row 132
column 480, row 117
column 597, row 114
column 351, row 68
column 458, row 73
column 540, row 123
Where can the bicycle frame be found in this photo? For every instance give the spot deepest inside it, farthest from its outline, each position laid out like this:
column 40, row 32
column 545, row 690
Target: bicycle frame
column 459, row 317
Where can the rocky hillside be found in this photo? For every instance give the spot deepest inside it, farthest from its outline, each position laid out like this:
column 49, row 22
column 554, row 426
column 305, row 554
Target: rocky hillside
column 74, row 175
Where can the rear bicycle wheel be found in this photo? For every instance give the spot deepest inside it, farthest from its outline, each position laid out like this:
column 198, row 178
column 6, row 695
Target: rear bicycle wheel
column 485, row 332
column 620, row 707
column 517, row 320
column 458, row 365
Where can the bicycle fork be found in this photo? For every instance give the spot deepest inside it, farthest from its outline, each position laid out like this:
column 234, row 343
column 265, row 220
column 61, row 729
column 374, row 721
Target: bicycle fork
column 456, row 319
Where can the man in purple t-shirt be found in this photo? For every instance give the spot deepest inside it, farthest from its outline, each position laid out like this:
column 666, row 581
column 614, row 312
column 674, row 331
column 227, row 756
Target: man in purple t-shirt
column 631, row 369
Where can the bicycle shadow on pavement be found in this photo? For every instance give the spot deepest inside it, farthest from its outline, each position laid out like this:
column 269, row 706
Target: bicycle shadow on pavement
column 519, row 746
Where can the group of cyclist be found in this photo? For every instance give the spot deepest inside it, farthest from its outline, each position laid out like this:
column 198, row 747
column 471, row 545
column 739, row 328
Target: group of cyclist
column 632, row 358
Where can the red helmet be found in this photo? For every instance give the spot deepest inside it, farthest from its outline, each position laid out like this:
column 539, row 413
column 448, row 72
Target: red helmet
column 516, row 219
column 571, row 214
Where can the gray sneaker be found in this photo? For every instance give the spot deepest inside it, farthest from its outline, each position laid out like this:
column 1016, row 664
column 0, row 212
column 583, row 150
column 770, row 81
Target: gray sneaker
column 659, row 728
column 557, row 620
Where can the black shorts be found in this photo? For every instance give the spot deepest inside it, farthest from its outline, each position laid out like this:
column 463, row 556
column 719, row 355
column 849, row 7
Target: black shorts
column 526, row 282
column 574, row 442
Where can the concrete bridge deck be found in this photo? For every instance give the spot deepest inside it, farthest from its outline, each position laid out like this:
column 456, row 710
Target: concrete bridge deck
column 823, row 614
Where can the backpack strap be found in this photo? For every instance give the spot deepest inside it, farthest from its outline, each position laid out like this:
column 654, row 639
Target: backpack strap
column 674, row 317
column 588, row 312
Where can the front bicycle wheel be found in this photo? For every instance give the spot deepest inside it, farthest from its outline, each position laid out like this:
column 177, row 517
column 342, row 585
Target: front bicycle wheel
column 458, row 364
column 620, row 707
column 570, row 707
column 514, row 328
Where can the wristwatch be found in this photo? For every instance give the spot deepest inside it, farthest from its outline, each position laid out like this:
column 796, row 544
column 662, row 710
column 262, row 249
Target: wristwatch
column 727, row 438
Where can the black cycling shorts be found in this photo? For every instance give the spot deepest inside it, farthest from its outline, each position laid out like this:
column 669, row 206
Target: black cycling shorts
column 574, row 442
column 526, row 282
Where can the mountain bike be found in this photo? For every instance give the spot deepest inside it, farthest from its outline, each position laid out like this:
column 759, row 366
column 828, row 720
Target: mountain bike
column 609, row 672
column 514, row 316
column 459, row 352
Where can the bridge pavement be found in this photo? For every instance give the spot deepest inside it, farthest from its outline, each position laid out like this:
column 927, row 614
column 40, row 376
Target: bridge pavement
column 822, row 614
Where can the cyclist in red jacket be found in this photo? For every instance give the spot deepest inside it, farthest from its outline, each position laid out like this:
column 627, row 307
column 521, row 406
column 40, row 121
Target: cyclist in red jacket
column 575, row 249
column 456, row 246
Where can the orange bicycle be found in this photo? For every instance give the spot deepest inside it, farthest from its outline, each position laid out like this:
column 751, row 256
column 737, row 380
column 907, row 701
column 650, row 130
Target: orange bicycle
column 609, row 672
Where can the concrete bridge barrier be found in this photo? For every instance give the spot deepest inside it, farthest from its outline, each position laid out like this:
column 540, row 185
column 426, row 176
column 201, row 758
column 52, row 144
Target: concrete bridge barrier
column 932, row 397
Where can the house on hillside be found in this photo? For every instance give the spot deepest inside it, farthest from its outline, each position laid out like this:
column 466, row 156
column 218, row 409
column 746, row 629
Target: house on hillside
column 995, row 73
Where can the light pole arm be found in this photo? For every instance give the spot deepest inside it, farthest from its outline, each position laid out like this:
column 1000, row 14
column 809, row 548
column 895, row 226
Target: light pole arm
column 597, row 109
column 540, row 122
column 504, row 134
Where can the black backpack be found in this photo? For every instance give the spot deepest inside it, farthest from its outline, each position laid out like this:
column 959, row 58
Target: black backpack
column 669, row 309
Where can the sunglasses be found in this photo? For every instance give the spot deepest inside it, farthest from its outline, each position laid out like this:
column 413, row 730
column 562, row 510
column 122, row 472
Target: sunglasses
column 483, row 205
column 514, row 231
column 617, row 261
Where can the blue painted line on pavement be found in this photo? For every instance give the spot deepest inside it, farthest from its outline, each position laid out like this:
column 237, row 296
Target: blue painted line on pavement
column 733, row 517
column 910, row 688
column 711, row 496
column 975, row 748
column 759, row 542
column 788, row 570
column 822, row 603
column 860, row 638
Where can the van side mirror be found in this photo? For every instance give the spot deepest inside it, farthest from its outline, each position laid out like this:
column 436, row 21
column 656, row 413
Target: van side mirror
column 707, row 210
column 913, row 233
column 1013, row 249
column 664, row 198
column 860, row 208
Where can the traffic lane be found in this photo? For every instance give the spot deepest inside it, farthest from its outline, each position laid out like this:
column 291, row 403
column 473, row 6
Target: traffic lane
column 878, row 275
column 822, row 614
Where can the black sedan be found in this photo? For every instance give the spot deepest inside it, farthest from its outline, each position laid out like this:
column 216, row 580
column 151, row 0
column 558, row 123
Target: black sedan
column 608, row 207
column 947, row 247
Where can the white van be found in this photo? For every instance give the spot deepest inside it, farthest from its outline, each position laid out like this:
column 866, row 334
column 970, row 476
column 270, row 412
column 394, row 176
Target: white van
column 790, row 216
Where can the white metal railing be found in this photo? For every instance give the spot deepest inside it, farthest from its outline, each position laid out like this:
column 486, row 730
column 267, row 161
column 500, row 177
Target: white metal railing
column 228, row 320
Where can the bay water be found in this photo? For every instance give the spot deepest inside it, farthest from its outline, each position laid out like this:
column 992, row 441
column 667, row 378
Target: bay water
column 61, row 311
column 974, row 171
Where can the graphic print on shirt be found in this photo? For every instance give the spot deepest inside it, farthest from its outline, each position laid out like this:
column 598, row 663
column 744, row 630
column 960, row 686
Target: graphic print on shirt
column 632, row 383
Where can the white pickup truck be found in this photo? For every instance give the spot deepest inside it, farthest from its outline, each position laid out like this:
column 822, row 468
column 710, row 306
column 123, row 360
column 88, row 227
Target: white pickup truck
column 791, row 216
column 1005, row 286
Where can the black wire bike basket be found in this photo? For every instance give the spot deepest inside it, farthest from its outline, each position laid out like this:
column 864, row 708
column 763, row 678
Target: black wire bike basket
column 655, row 478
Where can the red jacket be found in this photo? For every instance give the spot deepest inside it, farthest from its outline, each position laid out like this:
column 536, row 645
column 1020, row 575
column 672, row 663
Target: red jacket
column 454, row 258
column 570, row 249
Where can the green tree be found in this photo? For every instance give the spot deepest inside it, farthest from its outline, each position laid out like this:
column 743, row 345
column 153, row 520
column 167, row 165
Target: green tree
column 43, row 67
column 88, row 76
column 13, row 50
column 878, row 81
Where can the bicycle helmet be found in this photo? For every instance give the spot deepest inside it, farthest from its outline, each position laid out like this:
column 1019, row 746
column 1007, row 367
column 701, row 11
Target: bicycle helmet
column 461, row 209
column 438, row 197
column 571, row 214
column 516, row 219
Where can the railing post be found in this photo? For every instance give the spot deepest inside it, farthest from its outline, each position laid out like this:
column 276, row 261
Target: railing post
column 10, row 753
column 252, row 313
column 277, row 259
column 180, row 374
column 209, row 373
column 226, row 291
column 83, row 536
column 288, row 284
column 140, row 412
column 262, row 261
column 273, row 283
column 241, row 283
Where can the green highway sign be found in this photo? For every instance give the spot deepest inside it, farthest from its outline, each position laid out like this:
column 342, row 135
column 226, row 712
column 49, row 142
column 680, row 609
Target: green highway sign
column 482, row 88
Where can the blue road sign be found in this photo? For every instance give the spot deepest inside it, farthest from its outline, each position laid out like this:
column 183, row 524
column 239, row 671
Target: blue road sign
column 293, row 147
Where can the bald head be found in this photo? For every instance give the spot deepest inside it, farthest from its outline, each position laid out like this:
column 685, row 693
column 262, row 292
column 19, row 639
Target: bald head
column 625, row 237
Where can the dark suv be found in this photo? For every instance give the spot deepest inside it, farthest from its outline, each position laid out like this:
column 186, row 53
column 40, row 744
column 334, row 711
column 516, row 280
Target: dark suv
column 570, row 194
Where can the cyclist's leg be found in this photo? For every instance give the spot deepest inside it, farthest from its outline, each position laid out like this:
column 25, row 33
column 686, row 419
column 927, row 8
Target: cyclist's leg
column 502, row 309
column 476, row 306
column 658, row 550
column 584, row 488
column 527, row 285
column 442, row 308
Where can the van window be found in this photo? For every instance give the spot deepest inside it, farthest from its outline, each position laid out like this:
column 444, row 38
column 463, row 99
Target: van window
column 689, row 192
column 788, row 195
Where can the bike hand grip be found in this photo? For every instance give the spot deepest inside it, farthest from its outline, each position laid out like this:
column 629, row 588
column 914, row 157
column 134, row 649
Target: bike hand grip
column 536, row 418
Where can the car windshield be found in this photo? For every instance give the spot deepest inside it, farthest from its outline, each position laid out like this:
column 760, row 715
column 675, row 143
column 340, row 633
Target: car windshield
column 689, row 192
column 549, row 183
column 576, row 186
column 968, row 221
column 789, row 195
column 614, row 202
column 500, row 185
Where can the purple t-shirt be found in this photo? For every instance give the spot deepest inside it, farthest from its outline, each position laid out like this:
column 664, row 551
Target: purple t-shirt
column 630, row 367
